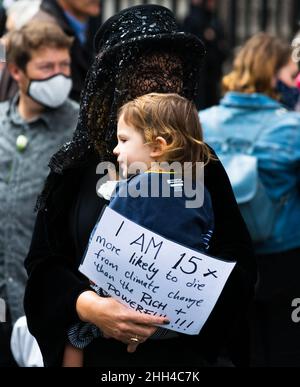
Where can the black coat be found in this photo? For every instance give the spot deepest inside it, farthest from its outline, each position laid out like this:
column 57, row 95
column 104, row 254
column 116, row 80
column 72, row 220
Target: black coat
column 198, row 22
column 62, row 232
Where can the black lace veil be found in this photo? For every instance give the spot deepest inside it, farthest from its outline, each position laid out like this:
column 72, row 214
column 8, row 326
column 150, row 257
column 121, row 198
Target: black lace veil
column 141, row 51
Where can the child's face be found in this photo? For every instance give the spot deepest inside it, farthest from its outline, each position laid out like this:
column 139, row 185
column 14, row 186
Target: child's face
column 131, row 149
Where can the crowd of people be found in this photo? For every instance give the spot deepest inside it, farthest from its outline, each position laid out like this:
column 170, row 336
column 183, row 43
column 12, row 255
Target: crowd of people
column 141, row 89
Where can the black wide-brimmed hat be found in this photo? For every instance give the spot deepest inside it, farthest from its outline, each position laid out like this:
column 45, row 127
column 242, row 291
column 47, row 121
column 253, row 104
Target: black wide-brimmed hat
column 138, row 51
column 142, row 25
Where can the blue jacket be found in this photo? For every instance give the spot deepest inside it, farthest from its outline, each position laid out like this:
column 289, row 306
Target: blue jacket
column 277, row 149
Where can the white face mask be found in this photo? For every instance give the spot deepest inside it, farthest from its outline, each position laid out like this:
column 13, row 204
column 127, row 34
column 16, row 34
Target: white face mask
column 50, row 92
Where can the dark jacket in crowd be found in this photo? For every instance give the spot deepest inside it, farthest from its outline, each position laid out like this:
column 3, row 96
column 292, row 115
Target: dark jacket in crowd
column 2, row 20
column 206, row 25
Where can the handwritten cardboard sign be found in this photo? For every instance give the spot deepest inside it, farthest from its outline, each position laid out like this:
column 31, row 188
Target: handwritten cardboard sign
column 152, row 274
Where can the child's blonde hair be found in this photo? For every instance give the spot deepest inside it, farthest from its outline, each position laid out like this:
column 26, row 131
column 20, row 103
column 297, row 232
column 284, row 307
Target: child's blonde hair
column 172, row 117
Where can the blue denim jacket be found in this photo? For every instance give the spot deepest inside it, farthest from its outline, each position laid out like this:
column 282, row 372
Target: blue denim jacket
column 277, row 149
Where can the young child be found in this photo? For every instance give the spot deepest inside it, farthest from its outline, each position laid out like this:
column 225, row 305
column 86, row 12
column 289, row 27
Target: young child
column 154, row 130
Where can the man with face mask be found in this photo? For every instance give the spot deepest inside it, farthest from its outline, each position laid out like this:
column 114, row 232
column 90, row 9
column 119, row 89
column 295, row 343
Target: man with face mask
column 33, row 125
column 79, row 19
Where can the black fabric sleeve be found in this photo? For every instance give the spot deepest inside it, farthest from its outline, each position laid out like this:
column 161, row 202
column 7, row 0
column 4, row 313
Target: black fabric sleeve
column 227, row 324
column 54, row 283
column 231, row 239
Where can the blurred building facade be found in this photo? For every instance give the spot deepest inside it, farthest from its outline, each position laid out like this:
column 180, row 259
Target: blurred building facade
column 242, row 18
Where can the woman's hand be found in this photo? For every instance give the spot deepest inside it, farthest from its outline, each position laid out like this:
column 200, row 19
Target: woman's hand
column 116, row 320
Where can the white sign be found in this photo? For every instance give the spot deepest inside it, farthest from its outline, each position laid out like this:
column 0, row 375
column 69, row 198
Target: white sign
column 152, row 274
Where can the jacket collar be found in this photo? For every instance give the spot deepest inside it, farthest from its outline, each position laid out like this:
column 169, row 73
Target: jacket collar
column 53, row 8
column 16, row 119
column 251, row 101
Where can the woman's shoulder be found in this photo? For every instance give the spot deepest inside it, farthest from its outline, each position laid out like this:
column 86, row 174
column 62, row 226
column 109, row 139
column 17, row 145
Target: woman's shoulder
column 283, row 129
column 287, row 118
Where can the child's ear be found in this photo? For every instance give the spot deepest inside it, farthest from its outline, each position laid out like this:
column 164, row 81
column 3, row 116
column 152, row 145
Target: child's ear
column 158, row 147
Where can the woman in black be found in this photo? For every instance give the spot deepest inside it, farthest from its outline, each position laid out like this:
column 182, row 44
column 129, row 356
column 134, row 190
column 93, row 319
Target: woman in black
column 139, row 51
